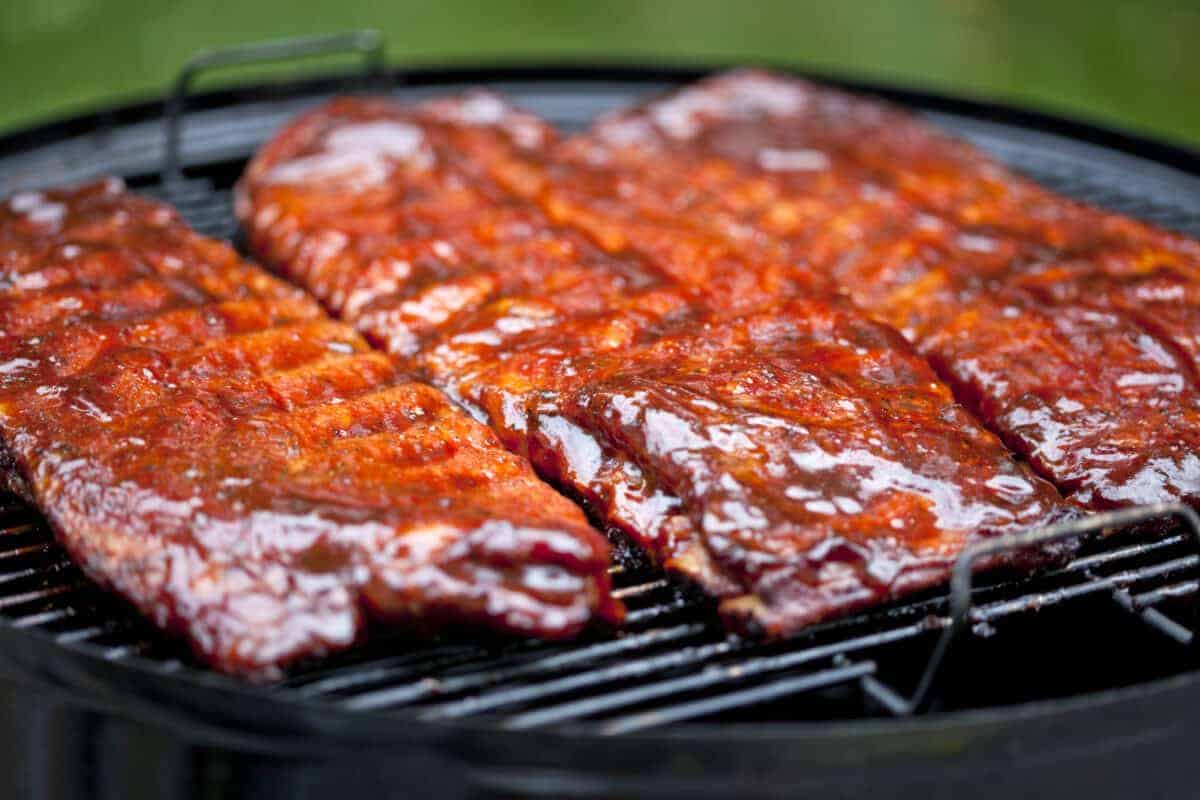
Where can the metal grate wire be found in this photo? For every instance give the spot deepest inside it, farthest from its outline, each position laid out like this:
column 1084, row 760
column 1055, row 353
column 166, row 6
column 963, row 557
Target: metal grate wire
column 673, row 663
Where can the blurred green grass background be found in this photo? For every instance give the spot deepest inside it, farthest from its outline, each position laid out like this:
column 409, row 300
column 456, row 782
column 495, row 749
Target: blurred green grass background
column 1128, row 63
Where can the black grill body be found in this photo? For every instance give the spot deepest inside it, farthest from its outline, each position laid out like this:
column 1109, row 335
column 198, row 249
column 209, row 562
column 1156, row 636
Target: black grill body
column 1081, row 680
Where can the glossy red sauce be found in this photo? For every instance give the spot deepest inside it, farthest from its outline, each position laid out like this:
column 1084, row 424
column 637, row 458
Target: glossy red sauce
column 732, row 413
column 1071, row 332
column 207, row 442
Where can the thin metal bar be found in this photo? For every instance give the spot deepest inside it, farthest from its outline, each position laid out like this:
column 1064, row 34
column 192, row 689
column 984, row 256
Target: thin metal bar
column 84, row 634
column 737, row 699
column 896, row 704
column 1116, row 554
column 1167, row 626
column 41, row 570
column 339, row 678
column 639, row 589
column 39, row 594
column 639, row 615
column 32, row 549
column 612, row 701
column 477, row 703
column 1127, row 577
column 368, row 43
column 1168, row 592
column 622, row 671
column 19, row 530
column 121, row 651
column 1154, row 618
column 44, row 618
column 960, row 579
column 209, row 217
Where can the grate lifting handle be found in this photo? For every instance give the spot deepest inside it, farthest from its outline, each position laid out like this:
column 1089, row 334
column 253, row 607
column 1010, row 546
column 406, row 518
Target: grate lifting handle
column 960, row 580
column 368, row 43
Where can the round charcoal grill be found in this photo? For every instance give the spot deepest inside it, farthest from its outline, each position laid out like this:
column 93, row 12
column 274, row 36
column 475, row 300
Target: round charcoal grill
column 1083, row 679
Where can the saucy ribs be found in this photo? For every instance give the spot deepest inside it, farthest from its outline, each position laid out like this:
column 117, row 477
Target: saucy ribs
column 746, row 425
column 204, row 440
column 1071, row 332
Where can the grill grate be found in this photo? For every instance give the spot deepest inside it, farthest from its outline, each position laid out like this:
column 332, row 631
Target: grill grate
column 1122, row 613
column 673, row 663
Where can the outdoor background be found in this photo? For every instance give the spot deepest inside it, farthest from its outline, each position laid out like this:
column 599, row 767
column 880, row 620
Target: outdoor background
column 1133, row 64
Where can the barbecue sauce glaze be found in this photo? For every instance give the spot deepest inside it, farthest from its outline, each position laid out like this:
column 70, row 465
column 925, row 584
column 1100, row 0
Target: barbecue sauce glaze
column 206, row 441
column 732, row 413
column 1071, row 332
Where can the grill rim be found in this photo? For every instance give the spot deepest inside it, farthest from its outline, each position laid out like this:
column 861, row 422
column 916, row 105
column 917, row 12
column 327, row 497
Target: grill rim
column 1149, row 147
column 213, row 701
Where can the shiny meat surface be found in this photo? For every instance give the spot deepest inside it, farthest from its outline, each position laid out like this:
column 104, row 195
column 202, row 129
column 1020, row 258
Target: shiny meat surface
column 752, row 430
column 1071, row 332
column 208, row 443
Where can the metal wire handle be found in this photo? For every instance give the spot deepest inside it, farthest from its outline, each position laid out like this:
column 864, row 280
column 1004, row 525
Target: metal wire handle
column 367, row 42
column 960, row 580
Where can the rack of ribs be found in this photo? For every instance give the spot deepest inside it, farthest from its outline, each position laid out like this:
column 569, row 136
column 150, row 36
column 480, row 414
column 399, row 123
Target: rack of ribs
column 207, row 442
column 733, row 415
column 1072, row 333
